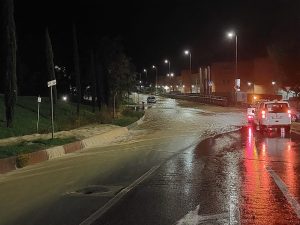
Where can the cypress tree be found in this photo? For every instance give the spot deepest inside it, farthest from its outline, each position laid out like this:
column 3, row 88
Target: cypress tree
column 8, row 52
column 76, row 68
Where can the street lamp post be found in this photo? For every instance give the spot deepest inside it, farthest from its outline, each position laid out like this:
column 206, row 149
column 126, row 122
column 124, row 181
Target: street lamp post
column 273, row 84
column 234, row 35
column 145, row 71
column 155, row 68
column 249, row 85
column 187, row 52
column 169, row 63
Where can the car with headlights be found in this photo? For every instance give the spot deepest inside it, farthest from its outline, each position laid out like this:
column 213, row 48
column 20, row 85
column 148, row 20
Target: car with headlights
column 273, row 114
column 151, row 99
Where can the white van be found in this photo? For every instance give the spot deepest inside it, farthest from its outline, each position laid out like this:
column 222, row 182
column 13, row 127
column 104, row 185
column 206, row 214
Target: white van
column 273, row 114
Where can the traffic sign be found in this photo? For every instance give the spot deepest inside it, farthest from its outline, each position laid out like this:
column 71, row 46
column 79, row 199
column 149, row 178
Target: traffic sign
column 51, row 83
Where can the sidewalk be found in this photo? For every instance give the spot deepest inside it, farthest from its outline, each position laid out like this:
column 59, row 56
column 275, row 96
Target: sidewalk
column 89, row 136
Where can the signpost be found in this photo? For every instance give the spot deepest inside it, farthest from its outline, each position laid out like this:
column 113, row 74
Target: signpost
column 51, row 83
column 39, row 100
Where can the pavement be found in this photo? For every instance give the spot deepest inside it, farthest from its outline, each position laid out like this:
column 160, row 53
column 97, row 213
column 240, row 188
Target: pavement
column 88, row 136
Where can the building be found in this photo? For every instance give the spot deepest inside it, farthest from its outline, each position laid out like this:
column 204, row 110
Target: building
column 260, row 76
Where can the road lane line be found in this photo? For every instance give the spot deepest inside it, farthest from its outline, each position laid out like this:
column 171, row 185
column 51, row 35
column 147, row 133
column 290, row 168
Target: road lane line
column 284, row 189
column 96, row 215
column 193, row 218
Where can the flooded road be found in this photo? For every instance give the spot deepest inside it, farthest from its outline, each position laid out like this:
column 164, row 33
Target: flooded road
column 236, row 178
column 186, row 163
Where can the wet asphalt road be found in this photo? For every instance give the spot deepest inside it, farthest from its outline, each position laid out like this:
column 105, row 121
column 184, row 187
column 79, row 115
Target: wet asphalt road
column 237, row 178
column 217, row 181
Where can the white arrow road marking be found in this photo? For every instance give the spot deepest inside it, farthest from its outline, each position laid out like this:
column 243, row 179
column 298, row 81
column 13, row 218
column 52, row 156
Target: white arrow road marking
column 284, row 189
column 192, row 218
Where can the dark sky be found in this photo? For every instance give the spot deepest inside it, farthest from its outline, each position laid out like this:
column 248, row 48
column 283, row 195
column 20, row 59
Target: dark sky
column 154, row 30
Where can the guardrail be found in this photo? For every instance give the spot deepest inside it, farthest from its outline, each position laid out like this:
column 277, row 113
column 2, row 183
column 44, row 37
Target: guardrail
column 208, row 99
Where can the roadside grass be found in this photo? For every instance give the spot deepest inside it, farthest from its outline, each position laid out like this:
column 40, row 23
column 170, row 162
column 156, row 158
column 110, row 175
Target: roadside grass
column 27, row 147
column 25, row 116
column 25, row 120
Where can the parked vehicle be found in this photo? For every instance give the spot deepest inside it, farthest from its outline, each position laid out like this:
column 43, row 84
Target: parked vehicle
column 151, row 99
column 295, row 115
column 273, row 114
column 250, row 114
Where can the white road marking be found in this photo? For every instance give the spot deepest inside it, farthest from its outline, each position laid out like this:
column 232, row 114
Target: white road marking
column 192, row 218
column 284, row 189
column 115, row 199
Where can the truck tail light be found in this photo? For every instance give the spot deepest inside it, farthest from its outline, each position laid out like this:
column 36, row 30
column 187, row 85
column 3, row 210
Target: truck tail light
column 263, row 114
column 289, row 112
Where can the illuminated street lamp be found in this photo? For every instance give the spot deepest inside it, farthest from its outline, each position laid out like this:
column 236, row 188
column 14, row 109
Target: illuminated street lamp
column 187, row 52
column 249, row 84
column 155, row 68
column 169, row 63
column 231, row 35
column 273, row 84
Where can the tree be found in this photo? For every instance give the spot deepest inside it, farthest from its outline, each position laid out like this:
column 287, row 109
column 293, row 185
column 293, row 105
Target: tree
column 76, row 68
column 119, row 76
column 9, row 49
column 50, row 64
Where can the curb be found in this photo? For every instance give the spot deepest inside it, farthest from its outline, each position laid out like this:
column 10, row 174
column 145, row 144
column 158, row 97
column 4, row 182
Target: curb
column 136, row 123
column 16, row 162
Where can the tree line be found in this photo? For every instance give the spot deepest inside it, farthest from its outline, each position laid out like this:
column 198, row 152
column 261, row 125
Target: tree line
column 107, row 71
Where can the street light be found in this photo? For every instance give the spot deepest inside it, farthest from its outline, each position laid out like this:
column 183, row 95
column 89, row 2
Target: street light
column 187, row 52
column 273, row 84
column 155, row 68
column 168, row 62
column 231, row 35
column 249, row 84
column 145, row 71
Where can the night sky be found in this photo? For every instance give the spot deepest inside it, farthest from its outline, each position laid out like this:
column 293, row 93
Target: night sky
column 153, row 30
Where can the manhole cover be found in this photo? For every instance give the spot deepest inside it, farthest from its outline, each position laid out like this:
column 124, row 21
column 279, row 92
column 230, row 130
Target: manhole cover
column 97, row 190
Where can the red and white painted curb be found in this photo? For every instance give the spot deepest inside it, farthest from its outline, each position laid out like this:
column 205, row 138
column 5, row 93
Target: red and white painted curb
column 11, row 163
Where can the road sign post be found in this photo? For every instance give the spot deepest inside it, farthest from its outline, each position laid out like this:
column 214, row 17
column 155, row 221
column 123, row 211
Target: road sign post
column 51, row 84
column 39, row 100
